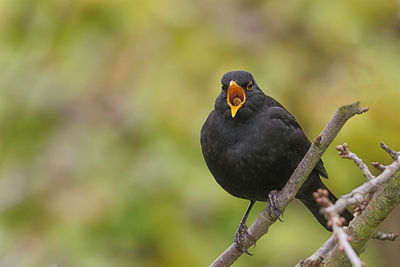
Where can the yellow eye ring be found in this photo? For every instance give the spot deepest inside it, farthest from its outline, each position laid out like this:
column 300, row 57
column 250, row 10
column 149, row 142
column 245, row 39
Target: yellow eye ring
column 250, row 86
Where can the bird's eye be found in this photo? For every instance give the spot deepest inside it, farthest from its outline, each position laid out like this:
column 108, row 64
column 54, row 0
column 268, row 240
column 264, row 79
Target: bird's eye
column 250, row 85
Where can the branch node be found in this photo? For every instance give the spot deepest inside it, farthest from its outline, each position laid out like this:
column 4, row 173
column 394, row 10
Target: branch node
column 358, row 209
column 385, row 236
column 317, row 140
column 343, row 150
column 378, row 166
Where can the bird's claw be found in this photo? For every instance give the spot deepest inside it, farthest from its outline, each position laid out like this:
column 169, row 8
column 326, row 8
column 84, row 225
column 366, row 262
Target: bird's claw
column 239, row 238
column 272, row 206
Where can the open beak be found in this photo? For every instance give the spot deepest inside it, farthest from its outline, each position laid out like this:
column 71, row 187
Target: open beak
column 235, row 97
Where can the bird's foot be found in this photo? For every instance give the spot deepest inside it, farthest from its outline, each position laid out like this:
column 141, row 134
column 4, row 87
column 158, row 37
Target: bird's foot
column 272, row 204
column 240, row 235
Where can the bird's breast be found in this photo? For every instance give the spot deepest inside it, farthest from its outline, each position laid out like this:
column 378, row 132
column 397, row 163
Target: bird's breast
column 240, row 160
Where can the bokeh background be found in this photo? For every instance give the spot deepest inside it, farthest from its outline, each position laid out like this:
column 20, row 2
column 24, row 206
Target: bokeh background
column 102, row 102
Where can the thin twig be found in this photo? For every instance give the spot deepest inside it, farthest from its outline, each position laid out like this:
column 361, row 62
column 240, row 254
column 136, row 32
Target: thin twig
column 315, row 259
column 344, row 242
column 378, row 166
column 336, row 222
column 345, row 153
column 393, row 154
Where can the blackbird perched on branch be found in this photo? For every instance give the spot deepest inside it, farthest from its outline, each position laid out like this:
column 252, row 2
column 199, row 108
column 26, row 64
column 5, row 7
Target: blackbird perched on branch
column 252, row 145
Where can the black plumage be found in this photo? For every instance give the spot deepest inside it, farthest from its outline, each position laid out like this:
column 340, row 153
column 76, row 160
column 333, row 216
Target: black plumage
column 252, row 145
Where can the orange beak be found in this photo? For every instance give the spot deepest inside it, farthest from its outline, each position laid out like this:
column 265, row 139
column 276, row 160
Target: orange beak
column 235, row 98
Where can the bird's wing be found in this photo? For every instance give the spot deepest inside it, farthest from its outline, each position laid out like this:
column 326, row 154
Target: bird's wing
column 299, row 141
column 321, row 169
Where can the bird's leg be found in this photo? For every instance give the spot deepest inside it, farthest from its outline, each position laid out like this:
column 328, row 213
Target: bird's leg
column 242, row 230
column 272, row 207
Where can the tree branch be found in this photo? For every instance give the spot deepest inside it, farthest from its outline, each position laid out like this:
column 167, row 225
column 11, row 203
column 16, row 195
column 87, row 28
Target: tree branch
column 316, row 259
column 336, row 222
column 358, row 195
column 287, row 194
column 386, row 196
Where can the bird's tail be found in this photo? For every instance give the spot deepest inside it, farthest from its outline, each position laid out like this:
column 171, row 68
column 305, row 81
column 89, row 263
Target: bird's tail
column 309, row 201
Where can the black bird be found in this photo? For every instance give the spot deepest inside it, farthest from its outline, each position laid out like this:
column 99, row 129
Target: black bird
column 252, row 145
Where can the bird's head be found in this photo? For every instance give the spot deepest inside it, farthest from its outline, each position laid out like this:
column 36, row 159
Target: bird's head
column 240, row 91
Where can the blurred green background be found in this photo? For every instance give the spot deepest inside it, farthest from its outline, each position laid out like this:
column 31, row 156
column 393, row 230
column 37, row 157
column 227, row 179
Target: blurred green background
column 102, row 102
